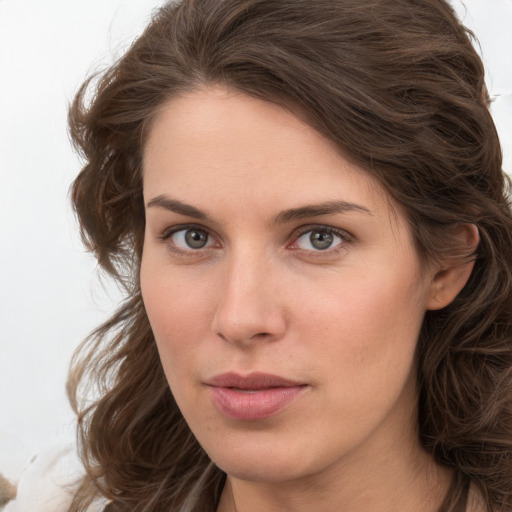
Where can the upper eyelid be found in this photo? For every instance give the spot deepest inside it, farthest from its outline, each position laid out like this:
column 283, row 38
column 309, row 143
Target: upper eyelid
column 302, row 230
column 171, row 230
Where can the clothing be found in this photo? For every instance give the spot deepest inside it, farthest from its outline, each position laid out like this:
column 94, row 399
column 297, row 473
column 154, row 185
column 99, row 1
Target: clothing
column 49, row 482
column 475, row 501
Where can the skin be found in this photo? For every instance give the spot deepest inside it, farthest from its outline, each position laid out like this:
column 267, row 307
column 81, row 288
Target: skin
column 259, row 296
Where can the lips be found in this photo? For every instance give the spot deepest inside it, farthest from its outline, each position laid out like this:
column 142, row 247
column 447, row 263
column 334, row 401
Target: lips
column 252, row 397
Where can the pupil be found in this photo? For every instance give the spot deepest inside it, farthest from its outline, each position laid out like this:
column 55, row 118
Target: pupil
column 196, row 239
column 321, row 239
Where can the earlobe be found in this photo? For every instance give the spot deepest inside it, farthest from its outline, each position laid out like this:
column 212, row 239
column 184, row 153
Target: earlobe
column 452, row 273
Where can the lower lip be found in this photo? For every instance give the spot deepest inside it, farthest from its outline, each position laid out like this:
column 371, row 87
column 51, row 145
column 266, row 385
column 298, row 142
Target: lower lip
column 253, row 405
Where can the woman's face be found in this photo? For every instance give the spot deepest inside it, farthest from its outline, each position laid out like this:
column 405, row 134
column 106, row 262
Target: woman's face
column 282, row 288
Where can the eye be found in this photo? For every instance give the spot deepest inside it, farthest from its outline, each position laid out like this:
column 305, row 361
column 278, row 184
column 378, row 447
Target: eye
column 319, row 239
column 191, row 238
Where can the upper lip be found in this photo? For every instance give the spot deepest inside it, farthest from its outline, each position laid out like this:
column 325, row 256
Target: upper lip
column 256, row 380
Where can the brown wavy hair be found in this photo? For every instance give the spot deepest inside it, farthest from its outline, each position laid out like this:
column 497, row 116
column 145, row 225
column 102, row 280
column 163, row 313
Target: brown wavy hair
column 398, row 86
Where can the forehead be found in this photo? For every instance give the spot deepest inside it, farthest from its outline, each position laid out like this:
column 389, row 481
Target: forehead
column 218, row 145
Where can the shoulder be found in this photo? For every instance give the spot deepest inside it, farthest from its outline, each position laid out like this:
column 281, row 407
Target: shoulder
column 49, row 483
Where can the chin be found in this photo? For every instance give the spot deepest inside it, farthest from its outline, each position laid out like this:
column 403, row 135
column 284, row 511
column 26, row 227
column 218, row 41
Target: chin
column 268, row 471
column 258, row 462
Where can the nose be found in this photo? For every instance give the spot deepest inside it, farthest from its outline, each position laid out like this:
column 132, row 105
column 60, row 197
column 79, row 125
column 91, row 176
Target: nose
column 250, row 308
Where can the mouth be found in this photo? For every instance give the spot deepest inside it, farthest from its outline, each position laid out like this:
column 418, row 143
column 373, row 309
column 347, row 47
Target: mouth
column 253, row 397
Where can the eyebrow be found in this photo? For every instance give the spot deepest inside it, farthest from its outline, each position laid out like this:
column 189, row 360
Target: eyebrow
column 302, row 212
column 315, row 210
column 176, row 206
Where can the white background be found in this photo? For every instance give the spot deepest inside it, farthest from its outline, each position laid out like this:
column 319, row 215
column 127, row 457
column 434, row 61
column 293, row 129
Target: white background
column 50, row 297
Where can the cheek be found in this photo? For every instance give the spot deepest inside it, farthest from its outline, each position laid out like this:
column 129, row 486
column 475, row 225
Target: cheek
column 172, row 296
column 179, row 306
column 366, row 330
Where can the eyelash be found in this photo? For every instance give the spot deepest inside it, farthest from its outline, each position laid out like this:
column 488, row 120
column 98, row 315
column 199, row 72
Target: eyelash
column 343, row 235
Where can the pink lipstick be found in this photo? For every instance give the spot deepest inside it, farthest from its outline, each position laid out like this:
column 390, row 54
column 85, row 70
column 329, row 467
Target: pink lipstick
column 252, row 397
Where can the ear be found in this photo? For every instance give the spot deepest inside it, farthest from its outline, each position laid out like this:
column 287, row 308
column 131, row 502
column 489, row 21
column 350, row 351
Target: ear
column 450, row 275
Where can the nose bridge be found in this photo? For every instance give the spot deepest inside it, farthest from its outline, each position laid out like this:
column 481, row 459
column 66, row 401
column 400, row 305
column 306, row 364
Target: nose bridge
column 247, row 307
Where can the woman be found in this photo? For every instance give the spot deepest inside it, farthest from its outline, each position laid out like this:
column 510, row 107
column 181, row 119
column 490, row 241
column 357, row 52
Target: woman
column 305, row 204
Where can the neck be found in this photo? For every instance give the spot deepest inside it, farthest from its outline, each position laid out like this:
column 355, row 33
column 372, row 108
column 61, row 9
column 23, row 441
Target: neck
column 400, row 482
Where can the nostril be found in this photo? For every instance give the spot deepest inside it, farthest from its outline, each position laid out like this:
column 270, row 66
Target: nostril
column 243, row 333
column 261, row 335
